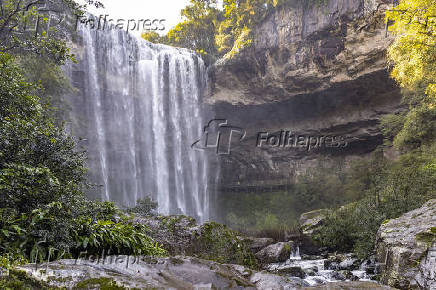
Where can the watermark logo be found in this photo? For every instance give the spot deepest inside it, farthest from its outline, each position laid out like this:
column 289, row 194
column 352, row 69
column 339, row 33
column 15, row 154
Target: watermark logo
column 218, row 135
column 43, row 17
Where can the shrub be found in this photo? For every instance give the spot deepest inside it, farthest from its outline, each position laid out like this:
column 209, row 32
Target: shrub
column 394, row 189
column 219, row 243
column 44, row 213
column 121, row 237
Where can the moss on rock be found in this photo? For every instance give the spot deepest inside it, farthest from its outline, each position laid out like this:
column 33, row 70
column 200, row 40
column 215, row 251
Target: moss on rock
column 101, row 283
column 218, row 243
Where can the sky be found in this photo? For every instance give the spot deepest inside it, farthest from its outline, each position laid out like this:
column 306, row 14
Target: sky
column 143, row 9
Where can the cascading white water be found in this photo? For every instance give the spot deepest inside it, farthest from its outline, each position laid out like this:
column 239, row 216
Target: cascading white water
column 295, row 254
column 139, row 108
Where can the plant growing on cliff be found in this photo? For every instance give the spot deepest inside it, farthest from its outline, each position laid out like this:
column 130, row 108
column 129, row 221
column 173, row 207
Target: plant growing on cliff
column 413, row 53
column 214, row 32
column 413, row 59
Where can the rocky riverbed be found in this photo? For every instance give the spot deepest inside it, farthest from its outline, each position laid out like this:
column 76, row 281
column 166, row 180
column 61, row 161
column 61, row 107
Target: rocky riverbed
column 211, row 256
column 169, row 273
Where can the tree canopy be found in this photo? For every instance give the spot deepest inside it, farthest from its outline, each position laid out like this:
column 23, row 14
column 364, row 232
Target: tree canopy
column 413, row 59
column 215, row 31
column 26, row 26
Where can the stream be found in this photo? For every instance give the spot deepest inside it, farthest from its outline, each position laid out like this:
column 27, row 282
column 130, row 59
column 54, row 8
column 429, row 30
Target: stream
column 320, row 271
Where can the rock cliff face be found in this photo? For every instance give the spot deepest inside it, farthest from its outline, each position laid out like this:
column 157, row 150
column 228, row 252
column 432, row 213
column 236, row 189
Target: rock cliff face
column 406, row 249
column 316, row 71
column 302, row 49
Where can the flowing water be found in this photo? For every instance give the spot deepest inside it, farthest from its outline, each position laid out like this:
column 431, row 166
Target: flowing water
column 138, row 106
column 315, row 271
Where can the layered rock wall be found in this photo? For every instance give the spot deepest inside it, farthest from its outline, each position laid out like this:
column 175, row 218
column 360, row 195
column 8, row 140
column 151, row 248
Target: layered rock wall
column 315, row 70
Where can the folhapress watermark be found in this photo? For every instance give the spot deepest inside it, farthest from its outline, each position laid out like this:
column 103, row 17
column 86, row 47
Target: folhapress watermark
column 220, row 136
column 44, row 18
column 287, row 139
column 104, row 22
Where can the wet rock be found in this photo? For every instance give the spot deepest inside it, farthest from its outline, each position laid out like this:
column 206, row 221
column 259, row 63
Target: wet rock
column 312, row 271
column 175, row 233
column 331, row 265
column 265, row 280
column 350, row 285
column 257, row 244
column 317, row 280
column 349, row 264
column 406, row 249
column 369, row 265
column 274, row 253
column 163, row 273
column 340, row 275
column 342, row 262
column 181, row 235
column 292, row 271
column 309, row 221
column 333, row 260
column 311, row 257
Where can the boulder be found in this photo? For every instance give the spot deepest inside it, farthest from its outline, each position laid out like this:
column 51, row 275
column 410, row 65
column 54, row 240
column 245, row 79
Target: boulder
column 265, row 280
column 293, row 271
column 406, row 249
column 341, row 262
column 143, row 272
column 340, row 275
column 369, row 265
column 349, row 264
column 274, row 253
column 310, row 220
column 181, row 235
column 257, row 244
column 312, row 271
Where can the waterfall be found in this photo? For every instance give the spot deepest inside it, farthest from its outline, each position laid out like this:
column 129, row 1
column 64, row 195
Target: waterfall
column 138, row 106
column 295, row 254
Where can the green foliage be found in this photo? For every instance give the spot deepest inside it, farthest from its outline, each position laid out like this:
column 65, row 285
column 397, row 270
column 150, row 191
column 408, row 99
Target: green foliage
column 395, row 188
column 414, row 49
column 51, row 79
column 153, row 37
column 44, row 213
column 214, row 32
column 255, row 213
column 240, row 17
column 275, row 213
column 116, row 238
column 218, row 243
column 99, row 283
column 20, row 280
column 15, row 16
column 419, row 127
column 39, row 166
column 412, row 56
column 196, row 32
